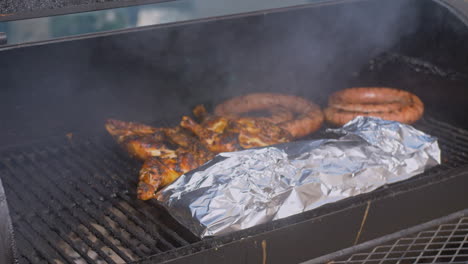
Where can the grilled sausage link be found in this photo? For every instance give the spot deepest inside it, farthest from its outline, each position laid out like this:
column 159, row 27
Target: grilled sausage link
column 386, row 103
column 308, row 116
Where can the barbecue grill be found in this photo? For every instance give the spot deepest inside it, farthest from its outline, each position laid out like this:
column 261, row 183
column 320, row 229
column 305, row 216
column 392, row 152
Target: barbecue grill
column 67, row 192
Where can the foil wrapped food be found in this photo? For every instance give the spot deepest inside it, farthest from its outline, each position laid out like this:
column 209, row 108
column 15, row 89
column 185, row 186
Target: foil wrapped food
column 238, row 190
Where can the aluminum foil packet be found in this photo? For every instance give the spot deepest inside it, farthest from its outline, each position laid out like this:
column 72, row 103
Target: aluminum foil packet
column 238, row 190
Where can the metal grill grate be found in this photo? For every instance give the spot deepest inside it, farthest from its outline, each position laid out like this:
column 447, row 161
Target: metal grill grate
column 447, row 243
column 74, row 202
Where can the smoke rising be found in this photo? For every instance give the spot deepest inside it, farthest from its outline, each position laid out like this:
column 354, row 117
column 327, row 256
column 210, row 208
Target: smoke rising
column 306, row 52
column 162, row 73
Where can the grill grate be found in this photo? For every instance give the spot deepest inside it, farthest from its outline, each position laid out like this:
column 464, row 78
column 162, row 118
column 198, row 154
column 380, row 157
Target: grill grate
column 446, row 243
column 75, row 202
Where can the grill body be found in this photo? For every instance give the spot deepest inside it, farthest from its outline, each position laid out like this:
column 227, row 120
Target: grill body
column 71, row 190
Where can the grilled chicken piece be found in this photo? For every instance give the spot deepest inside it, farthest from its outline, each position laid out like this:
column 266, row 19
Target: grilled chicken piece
column 223, row 134
column 158, row 172
column 153, row 175
column 214, row 136
column 155, row 145
column 121, row 129
column 259, row 133
column 141, row 141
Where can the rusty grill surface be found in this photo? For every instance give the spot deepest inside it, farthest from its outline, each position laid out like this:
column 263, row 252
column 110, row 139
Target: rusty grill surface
column 75, row 201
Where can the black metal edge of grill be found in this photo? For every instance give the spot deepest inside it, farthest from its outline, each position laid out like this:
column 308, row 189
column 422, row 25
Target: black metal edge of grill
column 457, row 8
column 165, row 25
column 25, row 9
column 188, row 22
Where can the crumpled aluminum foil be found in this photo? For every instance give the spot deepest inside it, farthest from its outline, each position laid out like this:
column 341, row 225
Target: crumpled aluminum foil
column 238, row 190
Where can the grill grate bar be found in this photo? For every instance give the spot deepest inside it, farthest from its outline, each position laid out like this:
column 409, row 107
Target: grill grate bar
column 41, row 236
column 44, row 163
column 413, row 244
column 92, row 209
column 84, row 215
column 428, row 244
column 453, row 151
column 425, row 247
column 457, row 132
column 110, row 171
column 106, row 171
column 90, row 165
column 70, row 216
column 450, row 134
column 456, row 147
column 92, row 213
column 400, row 260
column 35, row 257
column 457, row 253
column 165, row 230
column 136, row 230
column 433, row 243
column 389, row 249
column 386, row 254
column 117, row 157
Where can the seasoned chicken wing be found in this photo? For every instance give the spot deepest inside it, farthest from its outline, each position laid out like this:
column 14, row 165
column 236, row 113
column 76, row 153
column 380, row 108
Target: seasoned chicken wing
column 214, row 136
column 259, row 133
column 141, row 141
column 158, row 172
column 121, row 129
column 224, row 134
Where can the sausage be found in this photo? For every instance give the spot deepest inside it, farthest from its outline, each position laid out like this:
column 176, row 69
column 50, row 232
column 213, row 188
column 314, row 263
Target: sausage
column 386, row 103
column 308, row 116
